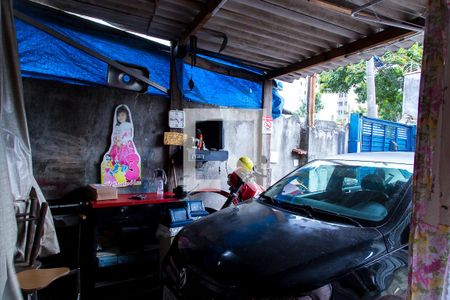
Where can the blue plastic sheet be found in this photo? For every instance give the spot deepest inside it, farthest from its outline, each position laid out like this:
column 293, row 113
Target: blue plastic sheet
column 219, row 89
column 277, row 99
column 43, row 56
column 238, row 88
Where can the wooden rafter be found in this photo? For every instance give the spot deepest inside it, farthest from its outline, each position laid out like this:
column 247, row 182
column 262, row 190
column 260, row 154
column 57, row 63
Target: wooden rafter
column 212, row 7
column 371, row 41
column 225, row 70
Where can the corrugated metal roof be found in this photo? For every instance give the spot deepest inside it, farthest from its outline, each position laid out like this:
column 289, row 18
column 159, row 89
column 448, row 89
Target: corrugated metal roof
column 286, row 38
column 365, row 55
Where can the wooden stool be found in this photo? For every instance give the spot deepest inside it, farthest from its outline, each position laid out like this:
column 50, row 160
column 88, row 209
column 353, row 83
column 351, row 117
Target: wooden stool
column 33, row 280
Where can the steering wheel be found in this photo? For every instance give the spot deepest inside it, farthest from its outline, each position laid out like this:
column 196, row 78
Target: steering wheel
column 304, row 187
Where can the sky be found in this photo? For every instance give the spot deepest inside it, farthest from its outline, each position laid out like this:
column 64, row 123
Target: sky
column 294, row 93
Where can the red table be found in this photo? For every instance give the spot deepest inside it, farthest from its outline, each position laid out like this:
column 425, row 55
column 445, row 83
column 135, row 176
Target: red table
column 124, row 200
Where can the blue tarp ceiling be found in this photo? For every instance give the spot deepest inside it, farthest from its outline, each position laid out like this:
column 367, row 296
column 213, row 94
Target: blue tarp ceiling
column 45, row 57
column 220, row 89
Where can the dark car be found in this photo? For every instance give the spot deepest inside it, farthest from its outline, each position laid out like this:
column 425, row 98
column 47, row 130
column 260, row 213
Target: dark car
column 333, row 229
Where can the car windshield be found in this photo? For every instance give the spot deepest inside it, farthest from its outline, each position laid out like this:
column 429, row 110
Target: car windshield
column 360, row 190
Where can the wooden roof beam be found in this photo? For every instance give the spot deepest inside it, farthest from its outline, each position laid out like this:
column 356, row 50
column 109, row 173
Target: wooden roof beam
column 371, row 41
column 212, row 7
column 225, row 70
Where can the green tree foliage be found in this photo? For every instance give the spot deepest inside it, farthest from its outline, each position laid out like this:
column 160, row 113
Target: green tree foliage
column 318, row 103
column 317, row 107
column 388, row 80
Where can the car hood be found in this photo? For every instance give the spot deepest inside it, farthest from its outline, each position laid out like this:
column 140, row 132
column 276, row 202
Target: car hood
column 255, row 244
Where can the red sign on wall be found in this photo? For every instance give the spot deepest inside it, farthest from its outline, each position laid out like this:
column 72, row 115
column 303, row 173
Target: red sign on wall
column 267, row 124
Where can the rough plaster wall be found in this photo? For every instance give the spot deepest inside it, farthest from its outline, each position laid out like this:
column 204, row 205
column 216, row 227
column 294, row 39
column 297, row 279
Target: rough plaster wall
column 241, row 137
column 286, row 136
column 214, row 174
column 236, row 135
column 70, row 128
column 325, row 139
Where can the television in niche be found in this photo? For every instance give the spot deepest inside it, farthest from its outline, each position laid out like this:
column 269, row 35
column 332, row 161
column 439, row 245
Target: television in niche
column 212, row 132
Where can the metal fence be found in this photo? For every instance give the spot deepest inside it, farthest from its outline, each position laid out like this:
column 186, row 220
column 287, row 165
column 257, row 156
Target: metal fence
column 374, row 135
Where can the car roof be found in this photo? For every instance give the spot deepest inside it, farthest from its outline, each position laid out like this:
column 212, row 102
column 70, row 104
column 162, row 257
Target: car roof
column 387, row 157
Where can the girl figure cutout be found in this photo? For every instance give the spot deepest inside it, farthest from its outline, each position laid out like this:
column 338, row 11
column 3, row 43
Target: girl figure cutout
column 121, row 165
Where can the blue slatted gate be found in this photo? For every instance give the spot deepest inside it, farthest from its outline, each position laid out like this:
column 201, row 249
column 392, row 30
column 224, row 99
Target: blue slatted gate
column 375, row 135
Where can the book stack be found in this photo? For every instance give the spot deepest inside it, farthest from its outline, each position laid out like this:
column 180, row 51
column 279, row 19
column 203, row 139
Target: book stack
column 102, row 192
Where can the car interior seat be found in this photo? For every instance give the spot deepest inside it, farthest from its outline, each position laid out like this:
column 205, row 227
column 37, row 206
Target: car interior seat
column 373, row 182
column 373, row 190
column 395, row 188
column 333, row 191
column 372, row 198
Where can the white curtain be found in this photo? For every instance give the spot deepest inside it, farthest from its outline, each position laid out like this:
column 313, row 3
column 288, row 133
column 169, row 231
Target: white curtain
column 16, row 175
column 9, row 85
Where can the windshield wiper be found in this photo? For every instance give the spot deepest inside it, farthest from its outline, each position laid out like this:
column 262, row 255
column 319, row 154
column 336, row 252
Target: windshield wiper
column 309, row 210
column 338, row 215
column 306, row 209
column 265, row 197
